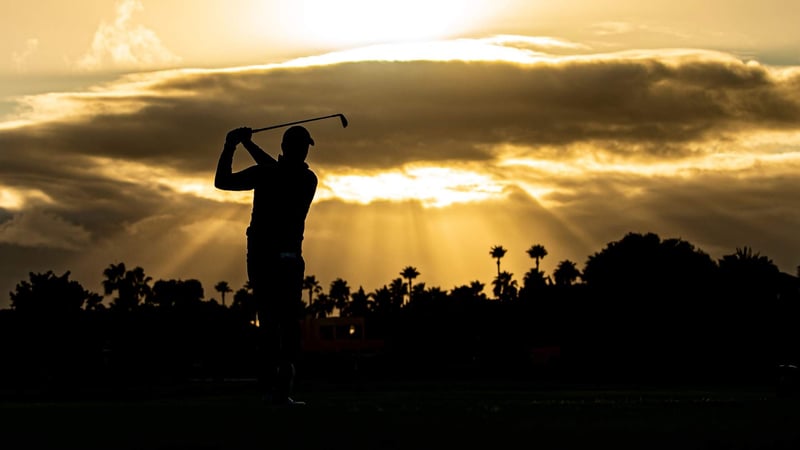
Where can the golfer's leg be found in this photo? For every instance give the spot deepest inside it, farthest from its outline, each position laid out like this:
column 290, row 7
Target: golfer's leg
column 289, row 323
column 267, row 339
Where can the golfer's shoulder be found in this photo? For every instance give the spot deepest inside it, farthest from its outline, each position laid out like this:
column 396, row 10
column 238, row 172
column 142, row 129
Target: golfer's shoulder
column 306, row 169
column 311, row 176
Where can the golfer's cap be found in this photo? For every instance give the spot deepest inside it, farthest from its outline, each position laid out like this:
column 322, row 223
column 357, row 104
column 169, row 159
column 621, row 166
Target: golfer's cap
column 298, row 134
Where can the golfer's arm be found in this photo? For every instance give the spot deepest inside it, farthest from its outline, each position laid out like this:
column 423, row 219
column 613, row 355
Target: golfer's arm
column 259, row 155
column 225, row 179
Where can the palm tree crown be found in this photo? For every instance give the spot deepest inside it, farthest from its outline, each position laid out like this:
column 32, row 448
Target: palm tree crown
column 313, row 286
column 409, row 273
column 339, row 293
column 537, row 252
column 223, row 288
column 566, row 273
column 498, row 252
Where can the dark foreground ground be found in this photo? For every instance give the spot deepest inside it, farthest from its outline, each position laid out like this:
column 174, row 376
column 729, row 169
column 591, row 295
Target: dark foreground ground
column 405, row 415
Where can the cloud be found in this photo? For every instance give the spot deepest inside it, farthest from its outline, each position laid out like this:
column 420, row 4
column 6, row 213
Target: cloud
column 124, row 44
column 539, row 43
column 36, row 228
column 653, row 104
column 21, row 59
column 612, row 28
column 616, row 28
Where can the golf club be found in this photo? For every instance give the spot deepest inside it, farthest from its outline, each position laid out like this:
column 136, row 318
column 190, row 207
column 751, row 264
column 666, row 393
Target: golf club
column 340, row 116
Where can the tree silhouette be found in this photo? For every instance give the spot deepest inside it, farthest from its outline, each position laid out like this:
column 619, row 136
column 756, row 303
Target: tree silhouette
column 244, row 303
column 566, row 273
column 644, row 307
column 48, row 293
column 223, row 288
column 643, row 264
column 749, row 274
column 744, row 260
column 397, row 289
column 498, row 252
column 468, row 294
column 360, row 303
column 409, row 273
column 339, row 294
column 322, row 306
column 534, row 279
column 382, row 301
column 182, row 294
column 477, row 289
column 505, row 287
column 420, row 289
column 537, row 252
column 313, row 286
column 132, row 286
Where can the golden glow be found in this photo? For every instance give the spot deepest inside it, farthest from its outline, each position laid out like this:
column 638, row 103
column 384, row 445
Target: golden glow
column 455, row 50
column 431, row 186
column 16, row 199
column 437, row 187
column 199, row 235
column 430, row 239
column 357, row 22
column 126, row 95
column 138, row 173
column 718, row 162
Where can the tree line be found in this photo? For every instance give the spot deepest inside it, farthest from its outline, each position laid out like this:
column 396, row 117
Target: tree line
column 642, row 307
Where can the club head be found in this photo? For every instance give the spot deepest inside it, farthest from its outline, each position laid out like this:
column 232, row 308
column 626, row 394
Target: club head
column 344, row 120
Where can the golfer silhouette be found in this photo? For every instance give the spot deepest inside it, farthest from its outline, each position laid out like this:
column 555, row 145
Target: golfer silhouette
column 282, row 193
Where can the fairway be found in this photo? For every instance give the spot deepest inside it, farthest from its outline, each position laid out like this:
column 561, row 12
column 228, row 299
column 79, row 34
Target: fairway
column 410, row 415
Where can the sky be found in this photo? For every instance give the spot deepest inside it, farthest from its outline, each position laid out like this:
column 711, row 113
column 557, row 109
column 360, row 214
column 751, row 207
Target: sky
column 472, row 124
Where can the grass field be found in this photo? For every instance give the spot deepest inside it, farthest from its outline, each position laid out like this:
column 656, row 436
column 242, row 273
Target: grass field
column 412, row 415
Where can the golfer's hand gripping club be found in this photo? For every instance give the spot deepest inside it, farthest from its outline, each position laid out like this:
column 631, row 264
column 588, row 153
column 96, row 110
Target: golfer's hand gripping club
column 238, row 135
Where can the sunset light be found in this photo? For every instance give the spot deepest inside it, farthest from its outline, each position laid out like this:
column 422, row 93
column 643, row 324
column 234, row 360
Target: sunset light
column 15, row 199
column 358, row 22
column 431, row 186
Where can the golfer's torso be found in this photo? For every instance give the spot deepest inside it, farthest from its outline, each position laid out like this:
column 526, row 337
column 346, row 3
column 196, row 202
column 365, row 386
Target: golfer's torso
column 281, row 200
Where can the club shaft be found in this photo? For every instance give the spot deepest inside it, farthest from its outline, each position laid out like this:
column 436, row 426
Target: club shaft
column 295, row 123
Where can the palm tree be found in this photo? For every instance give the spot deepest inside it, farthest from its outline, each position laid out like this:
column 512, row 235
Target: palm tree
column 749, row 272
column 322, row 307
column 498, row 252
column 245, row 304
column 566, row 273
column 339, row 293
column 537, row 252
column 505, row 286
column 534, row 279
column 132, row 286
column 359, row 303
column 381, row 302
column 311, row 284
column 409, row 273
column 223, row 288
column 745, row 257
column 397, row 289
